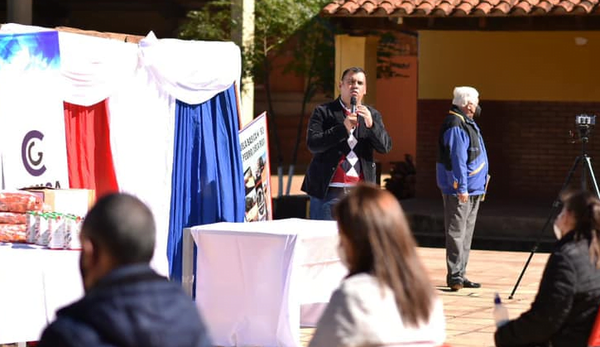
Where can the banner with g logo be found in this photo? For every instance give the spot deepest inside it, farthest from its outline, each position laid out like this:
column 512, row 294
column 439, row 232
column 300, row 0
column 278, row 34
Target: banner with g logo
column 31, row 153
column 32, row 130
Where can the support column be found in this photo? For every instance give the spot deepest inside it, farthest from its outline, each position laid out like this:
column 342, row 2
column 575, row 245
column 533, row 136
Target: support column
column 358, row 51
column 243, row 12
column 19, row 11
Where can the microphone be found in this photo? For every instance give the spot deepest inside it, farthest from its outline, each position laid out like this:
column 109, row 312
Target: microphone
column 353, row 104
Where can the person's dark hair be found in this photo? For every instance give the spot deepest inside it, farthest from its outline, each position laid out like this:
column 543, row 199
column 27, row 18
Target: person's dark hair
column 585, row 208
column 382, row 245
column 354, row 69
column 123, row 226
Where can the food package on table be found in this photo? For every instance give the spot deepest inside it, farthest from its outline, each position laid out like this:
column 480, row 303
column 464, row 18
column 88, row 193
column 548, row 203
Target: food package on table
column 13, row 218
column 20, row 201
column 42, row 229
column 33, row 218
column 72, row 231
column 13, row 233
column 56, row 229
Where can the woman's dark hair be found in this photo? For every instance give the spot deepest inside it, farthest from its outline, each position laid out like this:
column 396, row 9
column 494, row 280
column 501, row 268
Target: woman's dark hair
column 585, row 208
column 382, row 245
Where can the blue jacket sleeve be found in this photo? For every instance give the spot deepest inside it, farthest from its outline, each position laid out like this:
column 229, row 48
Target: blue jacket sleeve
column 457, row 141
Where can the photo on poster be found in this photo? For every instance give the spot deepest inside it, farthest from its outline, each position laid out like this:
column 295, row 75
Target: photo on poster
column 251, row 214
column 257, row 174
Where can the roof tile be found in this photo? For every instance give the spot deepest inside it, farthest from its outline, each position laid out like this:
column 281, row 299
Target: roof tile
column 485, row 7
column 459, row 7
column 585, row 6
column 445, row 8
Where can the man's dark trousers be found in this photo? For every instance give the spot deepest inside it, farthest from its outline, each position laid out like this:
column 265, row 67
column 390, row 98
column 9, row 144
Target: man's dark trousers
column 459, row 221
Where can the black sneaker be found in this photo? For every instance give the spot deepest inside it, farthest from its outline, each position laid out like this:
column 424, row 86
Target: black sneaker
column 468, row 284
column 455, row 285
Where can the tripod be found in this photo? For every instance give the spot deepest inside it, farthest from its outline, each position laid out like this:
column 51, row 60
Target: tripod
column 556, row 205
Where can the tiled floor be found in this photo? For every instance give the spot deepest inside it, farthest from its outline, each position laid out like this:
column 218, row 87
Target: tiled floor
column 469, row 311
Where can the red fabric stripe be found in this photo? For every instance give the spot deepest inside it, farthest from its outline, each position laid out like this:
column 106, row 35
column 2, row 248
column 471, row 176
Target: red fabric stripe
column 88, row 148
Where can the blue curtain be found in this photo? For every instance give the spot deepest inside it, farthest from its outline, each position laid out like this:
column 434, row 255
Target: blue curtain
column 208, row 179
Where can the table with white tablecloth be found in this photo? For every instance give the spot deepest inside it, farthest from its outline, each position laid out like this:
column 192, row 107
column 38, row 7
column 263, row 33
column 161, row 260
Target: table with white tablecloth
column 257, row 283
column 34, row 284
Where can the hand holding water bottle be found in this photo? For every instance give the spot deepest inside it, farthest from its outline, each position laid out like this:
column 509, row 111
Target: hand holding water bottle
column 500, row 312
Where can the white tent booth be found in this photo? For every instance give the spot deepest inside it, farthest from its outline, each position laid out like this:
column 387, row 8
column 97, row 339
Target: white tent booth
column 157, row 119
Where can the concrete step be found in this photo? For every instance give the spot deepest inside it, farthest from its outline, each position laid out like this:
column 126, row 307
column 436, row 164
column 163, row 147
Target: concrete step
column 501, row 225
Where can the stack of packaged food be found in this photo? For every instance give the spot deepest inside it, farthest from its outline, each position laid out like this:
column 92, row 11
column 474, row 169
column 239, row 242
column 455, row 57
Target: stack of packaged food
column 25, row 218
column 13, row 214
column 54, row 230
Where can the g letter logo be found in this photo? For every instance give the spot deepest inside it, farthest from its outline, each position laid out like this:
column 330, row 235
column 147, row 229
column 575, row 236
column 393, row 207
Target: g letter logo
column 32, row 159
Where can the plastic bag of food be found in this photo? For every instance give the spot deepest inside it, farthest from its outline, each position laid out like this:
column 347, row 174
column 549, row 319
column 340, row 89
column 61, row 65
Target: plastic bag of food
column 13, row 218
column 20, row 201
column 13, row 233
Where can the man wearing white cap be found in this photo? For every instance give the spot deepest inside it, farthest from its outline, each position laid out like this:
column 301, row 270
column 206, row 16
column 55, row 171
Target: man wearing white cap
column 462, row 172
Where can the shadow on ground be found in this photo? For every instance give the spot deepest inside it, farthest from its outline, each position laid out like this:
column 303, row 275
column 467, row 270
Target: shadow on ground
column 501, row 225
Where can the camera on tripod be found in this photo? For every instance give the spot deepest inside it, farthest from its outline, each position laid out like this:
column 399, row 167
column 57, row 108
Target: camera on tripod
column 585, row 119
column 585, row 123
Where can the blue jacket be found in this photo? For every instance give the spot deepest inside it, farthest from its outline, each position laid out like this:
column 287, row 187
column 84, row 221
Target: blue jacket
column 131, row 306
column 462, row 164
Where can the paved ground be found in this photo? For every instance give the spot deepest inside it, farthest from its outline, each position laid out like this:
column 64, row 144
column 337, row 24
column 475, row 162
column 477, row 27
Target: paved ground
column 502, row 225
column 469, row 311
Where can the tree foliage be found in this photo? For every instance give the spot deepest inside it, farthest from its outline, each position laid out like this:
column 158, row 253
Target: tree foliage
column 275, row 21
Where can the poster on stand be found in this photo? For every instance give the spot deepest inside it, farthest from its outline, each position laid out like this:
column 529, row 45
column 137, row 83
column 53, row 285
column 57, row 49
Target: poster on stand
column 254, row 142
column 33, row 148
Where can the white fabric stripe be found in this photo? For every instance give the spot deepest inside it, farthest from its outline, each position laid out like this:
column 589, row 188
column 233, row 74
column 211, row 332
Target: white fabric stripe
column 93, row 68
column 142, row 121
column 191, row 71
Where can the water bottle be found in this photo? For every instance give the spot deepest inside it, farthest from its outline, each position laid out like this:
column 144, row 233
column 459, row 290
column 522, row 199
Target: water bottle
column 500, row 312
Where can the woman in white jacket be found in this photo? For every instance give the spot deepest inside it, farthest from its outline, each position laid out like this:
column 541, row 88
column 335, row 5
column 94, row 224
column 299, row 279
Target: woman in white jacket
column 387, row 298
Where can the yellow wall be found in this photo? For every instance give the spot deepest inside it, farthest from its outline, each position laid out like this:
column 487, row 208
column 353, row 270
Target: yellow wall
column 358, row 51
column 544, row 66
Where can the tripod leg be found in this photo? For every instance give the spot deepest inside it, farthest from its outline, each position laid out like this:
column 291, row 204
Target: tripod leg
column 553, row 212
column 588, row 162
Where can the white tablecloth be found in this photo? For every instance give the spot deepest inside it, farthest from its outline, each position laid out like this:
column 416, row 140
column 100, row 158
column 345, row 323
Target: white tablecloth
column 257, row 283
column 34, row 284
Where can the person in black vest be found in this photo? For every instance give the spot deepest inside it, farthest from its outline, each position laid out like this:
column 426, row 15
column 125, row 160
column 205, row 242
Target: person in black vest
column 126, row 303
column 342, row 135
column 462, row 174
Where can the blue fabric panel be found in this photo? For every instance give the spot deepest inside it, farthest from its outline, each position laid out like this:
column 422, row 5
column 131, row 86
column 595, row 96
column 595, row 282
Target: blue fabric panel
column 207, row 179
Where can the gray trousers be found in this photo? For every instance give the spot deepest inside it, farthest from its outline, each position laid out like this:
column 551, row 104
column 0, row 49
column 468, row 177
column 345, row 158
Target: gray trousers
column 459, row 220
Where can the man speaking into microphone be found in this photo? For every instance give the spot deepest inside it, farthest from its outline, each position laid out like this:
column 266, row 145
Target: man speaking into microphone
column 342, row 135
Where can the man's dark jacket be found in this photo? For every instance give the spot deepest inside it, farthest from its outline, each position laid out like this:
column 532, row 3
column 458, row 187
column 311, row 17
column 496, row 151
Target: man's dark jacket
column 566, row 304
column 132, row 306
column 327, row 139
